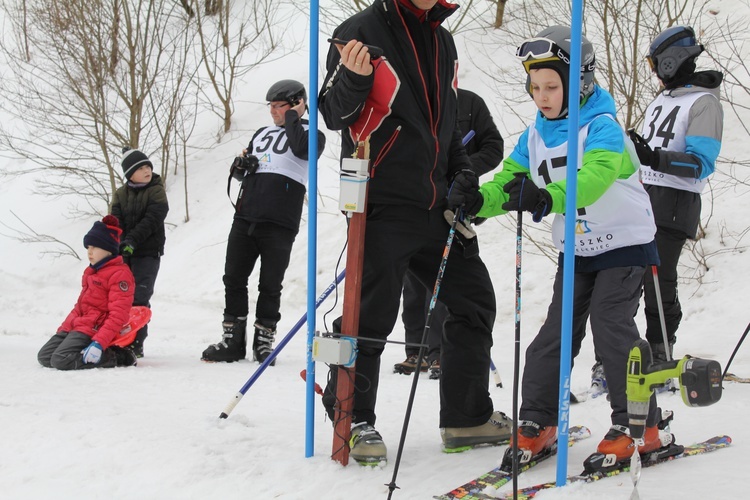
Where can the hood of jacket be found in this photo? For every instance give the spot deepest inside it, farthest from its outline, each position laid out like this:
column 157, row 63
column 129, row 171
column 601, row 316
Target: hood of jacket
column 555, row 132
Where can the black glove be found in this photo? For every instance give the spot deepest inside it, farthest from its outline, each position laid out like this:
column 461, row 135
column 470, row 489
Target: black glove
column 464, row 192
column 646, row 155
column 525, row 196
column 127, row 248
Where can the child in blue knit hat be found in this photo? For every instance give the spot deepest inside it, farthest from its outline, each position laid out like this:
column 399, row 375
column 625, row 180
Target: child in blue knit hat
column 103, row 307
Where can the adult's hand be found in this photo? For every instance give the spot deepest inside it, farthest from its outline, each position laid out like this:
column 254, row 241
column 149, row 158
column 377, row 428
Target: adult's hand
column 355, row 57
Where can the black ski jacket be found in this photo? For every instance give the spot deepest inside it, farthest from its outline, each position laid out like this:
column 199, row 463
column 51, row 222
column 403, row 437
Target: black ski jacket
column 276, row 198
column 485, row 150
column 407, row 106
column 141, row 212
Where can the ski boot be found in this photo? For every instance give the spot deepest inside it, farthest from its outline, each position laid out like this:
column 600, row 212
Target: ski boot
column 598, row 381
column 366, row 446
column 233, row 344
column 137, row 345
column 407, row 366
column 124, row 356
column 435, row 369
column 534, row 442
column 659, row 354
column 616, row 449
column 497, row 430
column 263, row 342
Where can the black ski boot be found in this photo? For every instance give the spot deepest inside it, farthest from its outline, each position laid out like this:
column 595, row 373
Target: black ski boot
column 124, row 356
column 140, row 338
column 661, row 355
column 233, row 344
column 263, row 341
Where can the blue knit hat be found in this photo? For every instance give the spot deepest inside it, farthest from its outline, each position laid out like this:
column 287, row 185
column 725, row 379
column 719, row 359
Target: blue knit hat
column 105, row 235
column 132, row 160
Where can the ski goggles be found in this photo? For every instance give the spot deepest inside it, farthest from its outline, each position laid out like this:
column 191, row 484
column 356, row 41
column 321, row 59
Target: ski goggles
column 541, row 48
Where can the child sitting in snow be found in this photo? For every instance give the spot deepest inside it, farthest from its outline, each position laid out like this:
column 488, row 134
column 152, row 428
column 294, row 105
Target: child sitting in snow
column 83, row 340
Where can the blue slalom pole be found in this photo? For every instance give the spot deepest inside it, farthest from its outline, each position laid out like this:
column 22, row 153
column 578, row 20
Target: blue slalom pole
column 312, row 227
column 571, row 182
column 265, row 364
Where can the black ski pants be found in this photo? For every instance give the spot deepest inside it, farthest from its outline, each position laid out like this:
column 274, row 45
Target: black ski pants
column 416, row 306
column 144, row 269
column 669, row 243
column 248, row 242
column 609, row 298
column 398, row 238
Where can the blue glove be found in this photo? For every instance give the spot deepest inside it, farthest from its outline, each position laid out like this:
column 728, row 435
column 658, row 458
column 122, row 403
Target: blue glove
column 93, row 353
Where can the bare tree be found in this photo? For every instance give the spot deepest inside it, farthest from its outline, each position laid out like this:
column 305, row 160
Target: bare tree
column 90, row 85
column 237, row 39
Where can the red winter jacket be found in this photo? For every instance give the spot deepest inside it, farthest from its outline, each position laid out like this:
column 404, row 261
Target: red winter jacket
column 104, row 305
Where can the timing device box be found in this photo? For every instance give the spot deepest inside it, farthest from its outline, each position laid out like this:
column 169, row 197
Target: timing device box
column 353, row 184
column 334, row 350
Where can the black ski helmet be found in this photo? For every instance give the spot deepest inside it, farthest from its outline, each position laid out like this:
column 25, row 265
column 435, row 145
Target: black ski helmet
column 672, row 53
column 287, row 90
column 551, row 49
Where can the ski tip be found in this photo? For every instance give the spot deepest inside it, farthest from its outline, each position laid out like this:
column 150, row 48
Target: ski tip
column 223, row 415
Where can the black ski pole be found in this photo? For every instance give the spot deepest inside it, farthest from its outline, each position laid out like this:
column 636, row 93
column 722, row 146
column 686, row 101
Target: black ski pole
column 392, row 485
column 237, row 397
column 517, row 351
column 662, row 321
column 737, row 347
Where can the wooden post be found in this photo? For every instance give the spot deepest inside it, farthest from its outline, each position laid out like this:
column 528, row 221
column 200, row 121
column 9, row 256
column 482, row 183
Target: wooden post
column 355, row 255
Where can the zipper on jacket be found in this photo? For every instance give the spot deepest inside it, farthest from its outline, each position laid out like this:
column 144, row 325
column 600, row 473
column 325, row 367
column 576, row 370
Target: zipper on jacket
column 384, row 150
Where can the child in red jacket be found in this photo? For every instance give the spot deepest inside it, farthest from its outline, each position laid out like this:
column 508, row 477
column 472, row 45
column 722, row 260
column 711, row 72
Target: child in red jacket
column 83, row 340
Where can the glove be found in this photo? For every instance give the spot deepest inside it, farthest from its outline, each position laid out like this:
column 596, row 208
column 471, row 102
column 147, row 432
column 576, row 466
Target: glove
column 126, row 249
column 646, row 155
column 526, row 197
column 93, row 353
column 464, row 192
column 465, row 235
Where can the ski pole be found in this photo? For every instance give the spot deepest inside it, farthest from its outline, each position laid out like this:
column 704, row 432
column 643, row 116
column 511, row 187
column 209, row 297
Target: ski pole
column 662, row 321
column 517, row 350
column 438, row 281
column 737, row 347
column 496, row 375
column 237, row 397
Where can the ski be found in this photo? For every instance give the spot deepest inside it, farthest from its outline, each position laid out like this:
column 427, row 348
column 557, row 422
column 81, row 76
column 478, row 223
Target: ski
column 648, row 460
column 731, row 377
column 497, row 478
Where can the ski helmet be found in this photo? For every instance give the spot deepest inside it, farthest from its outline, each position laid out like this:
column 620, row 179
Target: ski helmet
column 287, row 90
column 672, row 53
column 551, row 49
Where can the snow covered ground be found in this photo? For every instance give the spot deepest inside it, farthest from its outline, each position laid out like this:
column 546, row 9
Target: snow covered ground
column 153, row 432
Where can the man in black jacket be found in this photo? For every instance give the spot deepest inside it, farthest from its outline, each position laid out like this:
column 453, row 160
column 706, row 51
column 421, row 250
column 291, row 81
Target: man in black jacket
column 485, row 150
column 405, row 104
column 273, row 172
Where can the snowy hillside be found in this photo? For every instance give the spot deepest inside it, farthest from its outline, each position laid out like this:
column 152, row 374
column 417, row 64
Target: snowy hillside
column 153, row 432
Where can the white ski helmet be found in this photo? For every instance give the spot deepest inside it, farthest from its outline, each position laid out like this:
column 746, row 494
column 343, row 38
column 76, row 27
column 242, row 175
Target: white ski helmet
column 551, row 49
